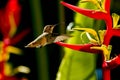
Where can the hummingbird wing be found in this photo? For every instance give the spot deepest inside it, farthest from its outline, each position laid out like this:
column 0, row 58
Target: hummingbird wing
column 39, row 41
column 61, row 38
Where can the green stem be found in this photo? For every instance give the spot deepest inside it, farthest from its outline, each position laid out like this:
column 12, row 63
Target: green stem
column 61, row 18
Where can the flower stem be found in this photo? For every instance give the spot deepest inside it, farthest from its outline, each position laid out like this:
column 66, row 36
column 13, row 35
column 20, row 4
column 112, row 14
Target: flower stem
column 106, row 73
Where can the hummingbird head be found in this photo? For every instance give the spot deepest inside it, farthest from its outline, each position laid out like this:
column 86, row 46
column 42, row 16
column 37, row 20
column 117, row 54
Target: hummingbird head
column 49, row 28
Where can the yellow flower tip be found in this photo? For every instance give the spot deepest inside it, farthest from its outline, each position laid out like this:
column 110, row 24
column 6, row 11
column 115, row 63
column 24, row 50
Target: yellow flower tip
column 106, row 50
column 22, row 69
column 97, row 3
column 83, row 1
column 93, row 1
column 79, row 29
column 14, row 50
column 117, row 27
column 93, row 41
column 89, row 30
column 81, row 37
column 4, row 57
column 115, row 20
column 101, row 35
column 103, row 10
column 96, row 47
column 12, row 25
column 8, row 69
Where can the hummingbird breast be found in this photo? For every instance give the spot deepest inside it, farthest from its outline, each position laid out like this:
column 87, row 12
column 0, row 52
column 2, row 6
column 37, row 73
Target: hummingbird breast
column 50, row 39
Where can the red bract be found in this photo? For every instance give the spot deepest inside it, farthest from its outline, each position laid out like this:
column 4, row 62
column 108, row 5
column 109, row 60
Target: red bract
column 12, row 9
column 109, row 34
column 97, row 14
column 113, row 63
column 19, row 36
column 107, row 5
column 79, row 47
column 12, row 78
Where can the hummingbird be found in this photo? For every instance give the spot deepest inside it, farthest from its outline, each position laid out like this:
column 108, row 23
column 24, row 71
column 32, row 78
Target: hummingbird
column 47, row 37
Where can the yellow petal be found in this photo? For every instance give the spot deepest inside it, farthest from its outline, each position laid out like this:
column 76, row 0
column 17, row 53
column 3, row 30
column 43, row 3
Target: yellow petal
column 118, row 26
column 81, row 37
column 1, row 42
column 115, row 19
column 12, row 25
column 13, row 50
column 106, row 50
column 91, row 39
column 22, row 69
column 8, row 69
column 89, row 30
column 96, row 2
column 101, row 35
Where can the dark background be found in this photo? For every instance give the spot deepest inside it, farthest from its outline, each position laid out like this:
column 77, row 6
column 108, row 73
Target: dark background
column 50, row 16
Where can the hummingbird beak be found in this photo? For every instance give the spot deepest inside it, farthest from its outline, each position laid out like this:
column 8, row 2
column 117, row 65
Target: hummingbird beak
column 27, row 46
column 52, row 27
column 30, row 45
column 55, row 25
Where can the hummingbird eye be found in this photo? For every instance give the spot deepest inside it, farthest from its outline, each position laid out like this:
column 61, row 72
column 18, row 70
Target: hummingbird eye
column 50, row 26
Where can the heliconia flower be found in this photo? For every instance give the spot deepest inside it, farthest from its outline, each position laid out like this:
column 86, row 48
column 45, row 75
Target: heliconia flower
column 95, row 46
column 7, row 48
column 103, row 41
column 9, row 21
